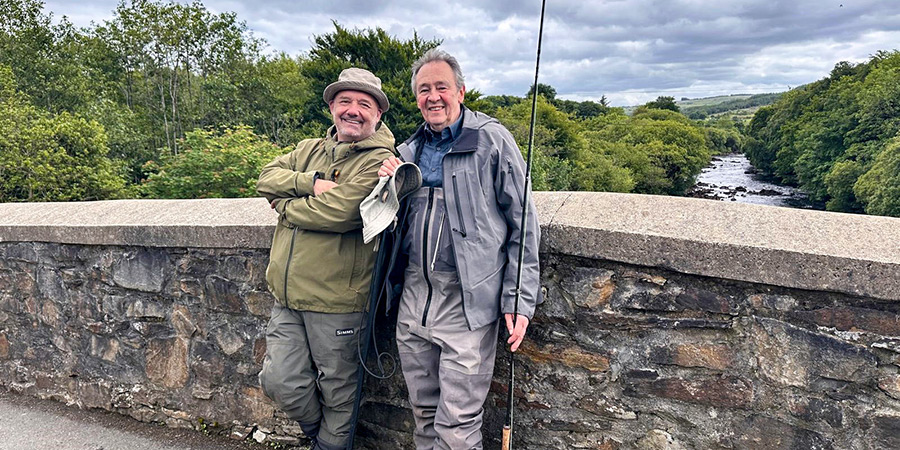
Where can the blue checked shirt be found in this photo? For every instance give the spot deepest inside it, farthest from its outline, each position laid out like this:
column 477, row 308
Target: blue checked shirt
column 434, row 147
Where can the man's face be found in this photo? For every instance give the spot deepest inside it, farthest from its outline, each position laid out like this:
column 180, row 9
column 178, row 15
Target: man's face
column 438, row 96
column 355, row 115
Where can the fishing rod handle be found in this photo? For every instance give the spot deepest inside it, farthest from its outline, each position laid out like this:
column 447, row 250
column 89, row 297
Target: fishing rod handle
column 506, row 443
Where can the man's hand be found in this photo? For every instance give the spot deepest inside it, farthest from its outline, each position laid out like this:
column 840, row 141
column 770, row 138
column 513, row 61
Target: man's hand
column 389, row 166
column 323, row 186
column 518, row 334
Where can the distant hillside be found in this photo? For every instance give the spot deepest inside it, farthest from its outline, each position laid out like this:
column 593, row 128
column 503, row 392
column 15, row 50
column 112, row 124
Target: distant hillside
column 740, row 105
column 709, row 101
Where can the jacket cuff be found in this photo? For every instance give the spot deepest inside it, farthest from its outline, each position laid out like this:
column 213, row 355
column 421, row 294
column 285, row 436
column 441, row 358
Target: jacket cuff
column 304, row 183
column 281, row 204
column 525, row 308
column 316, row 176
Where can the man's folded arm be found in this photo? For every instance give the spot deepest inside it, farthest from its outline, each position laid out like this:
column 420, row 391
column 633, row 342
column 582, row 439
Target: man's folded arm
column 278, row 179
column 336, row 210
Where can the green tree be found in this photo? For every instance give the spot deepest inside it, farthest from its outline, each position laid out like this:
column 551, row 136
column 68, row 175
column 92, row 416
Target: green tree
column 177, row 67
column 839, row 183
column 722, row 136
column 758, row 149
column 211, row 165
column 556, row 133
column 549, row 173
column 41, row 56
column 589, row 108
column 716, row 139
column 599, row 171
column 826, row 135
column 585, row 109
column 663, row 102
column 495, row 102
column 879, row 188
column 545, row 90
column 557, row 142
column 387, row 57
column 663, row 149
column 51, row 157
column 278, row 113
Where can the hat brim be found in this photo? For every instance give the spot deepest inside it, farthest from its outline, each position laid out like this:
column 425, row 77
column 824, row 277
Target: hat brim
column 350, row 85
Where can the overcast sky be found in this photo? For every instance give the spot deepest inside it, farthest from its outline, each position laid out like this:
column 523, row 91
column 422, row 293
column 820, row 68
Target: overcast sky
column 632, row 51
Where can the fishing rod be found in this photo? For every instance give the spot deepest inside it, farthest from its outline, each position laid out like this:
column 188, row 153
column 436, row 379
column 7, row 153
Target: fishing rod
column 508, row 427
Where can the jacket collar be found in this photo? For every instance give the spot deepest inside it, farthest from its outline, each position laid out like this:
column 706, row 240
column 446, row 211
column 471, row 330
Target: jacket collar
column 383, row 138
column 467, row 142
column 452, row 131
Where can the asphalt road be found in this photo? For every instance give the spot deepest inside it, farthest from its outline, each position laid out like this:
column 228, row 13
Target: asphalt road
column 27, row 423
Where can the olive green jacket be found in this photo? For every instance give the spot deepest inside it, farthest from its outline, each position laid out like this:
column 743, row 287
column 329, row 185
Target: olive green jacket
column 318, row 261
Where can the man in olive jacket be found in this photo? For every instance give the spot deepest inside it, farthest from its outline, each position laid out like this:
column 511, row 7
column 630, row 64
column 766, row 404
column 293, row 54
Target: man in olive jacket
column 319, row 268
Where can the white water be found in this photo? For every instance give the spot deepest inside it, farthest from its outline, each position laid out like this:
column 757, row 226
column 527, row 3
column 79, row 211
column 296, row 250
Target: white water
column 731, row 178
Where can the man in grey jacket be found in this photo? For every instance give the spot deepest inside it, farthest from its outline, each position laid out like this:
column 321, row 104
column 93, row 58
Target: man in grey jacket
column 459, row 246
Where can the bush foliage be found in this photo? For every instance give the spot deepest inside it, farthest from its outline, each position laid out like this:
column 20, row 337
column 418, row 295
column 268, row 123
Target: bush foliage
column 836, row 138
column 169, row 100
column 211, row 165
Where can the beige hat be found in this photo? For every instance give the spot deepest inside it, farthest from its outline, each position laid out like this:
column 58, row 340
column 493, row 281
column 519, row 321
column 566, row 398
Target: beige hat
column 354, row 79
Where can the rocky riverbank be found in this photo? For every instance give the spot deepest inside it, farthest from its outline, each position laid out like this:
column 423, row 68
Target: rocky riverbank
column 732, row 178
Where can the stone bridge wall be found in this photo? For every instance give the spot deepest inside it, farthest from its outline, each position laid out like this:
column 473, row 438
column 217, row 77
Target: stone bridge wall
column 669, row 323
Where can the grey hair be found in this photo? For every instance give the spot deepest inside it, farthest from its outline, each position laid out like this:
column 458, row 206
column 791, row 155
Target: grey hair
column 435, row 55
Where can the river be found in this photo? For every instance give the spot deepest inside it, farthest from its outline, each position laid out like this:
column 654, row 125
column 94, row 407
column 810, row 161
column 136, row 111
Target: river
column 732, row 178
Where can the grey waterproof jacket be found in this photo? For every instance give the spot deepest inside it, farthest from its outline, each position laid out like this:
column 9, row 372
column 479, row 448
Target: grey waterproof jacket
column 483, row 182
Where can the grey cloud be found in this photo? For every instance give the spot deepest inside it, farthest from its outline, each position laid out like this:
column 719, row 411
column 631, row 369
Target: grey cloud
column 624, row 49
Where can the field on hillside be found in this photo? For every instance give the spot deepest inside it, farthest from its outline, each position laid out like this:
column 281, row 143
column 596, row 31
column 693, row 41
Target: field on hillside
column 743, row 115
column 709, row 101
column 742, row 106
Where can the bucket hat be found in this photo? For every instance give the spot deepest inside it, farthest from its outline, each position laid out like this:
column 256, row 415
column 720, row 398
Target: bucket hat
column 379, row 209
column 355, row 79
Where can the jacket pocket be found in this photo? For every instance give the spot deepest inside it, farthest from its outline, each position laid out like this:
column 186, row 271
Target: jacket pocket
column 463, row 205
column 490, row 279
column 512, row 179
column 350, row 256
column 279, row 256
column 360, row 260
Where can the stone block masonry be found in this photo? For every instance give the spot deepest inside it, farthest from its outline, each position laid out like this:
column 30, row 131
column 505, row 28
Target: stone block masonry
column 165, row 335
column 668, row 324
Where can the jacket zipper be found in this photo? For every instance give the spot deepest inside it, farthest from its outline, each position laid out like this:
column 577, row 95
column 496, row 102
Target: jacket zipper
column 462, row 297
column 425, row 254
column 288, row 265
column 462, row 223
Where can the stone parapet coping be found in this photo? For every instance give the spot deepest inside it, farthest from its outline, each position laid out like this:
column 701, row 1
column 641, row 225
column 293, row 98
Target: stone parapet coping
column 854, row 254
column 815, row 250
column 206, row 223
